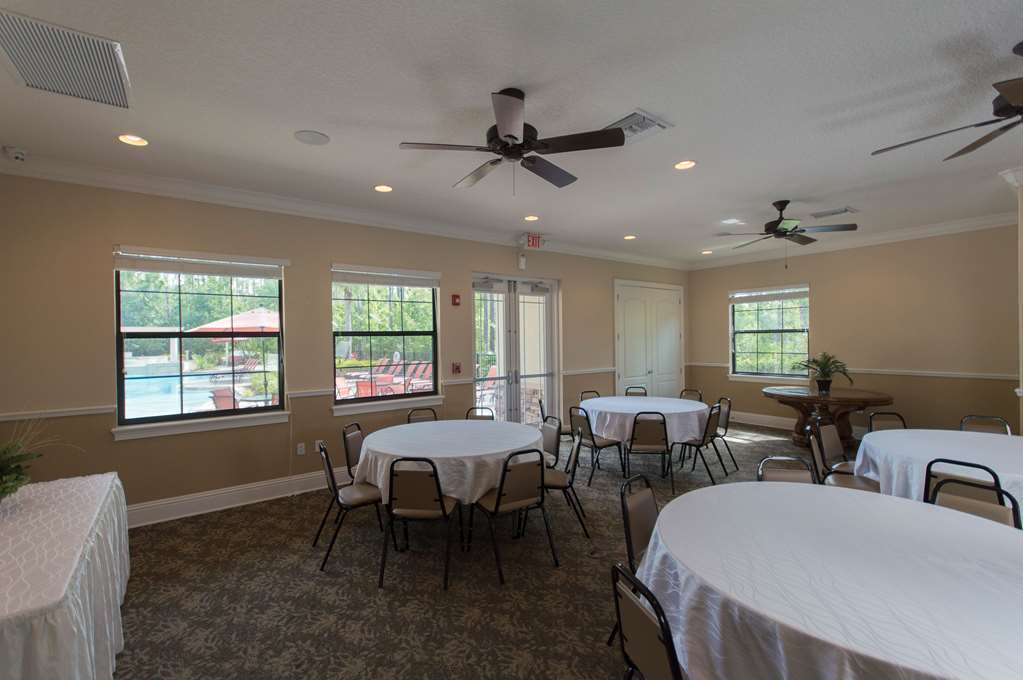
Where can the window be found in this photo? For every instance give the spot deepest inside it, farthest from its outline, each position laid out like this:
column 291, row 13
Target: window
column 196, row 336
column 385, row 334
column 770, row 331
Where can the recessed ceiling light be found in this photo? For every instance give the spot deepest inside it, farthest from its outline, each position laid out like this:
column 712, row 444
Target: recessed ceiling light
column 706, row 252
column 531, row 218
column 629, row 237
column 133, row 140
column 312, row 137
column 685, row 165
column 383, row 188
column 732, row 220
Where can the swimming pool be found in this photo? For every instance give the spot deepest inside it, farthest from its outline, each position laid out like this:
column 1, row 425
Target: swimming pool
column 148, row 397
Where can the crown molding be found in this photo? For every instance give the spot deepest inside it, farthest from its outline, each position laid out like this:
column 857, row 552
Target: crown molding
column 894, row 236
column 170, row 187
column 1013, row 176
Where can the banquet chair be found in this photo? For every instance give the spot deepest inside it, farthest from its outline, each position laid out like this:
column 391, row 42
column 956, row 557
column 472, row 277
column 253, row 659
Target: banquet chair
column 723, row 421
column 639, row 515
column 349, row 497
column 351, row 437
column 691, row 393
column 825, row 443
column 646, row 641
column 415, row 496
column 933, row 476
column 887, row 421
column 707, row 439
column 564, row 481
column 480, row 413
column 550, row 431
column 588, row 394
column 993, row 424
column 767, row 471
column 520, row 489
column 635, row 391
column 565, row 431
column 421, row 415
column 650, row 436
column 579, row 420
column 956, row 500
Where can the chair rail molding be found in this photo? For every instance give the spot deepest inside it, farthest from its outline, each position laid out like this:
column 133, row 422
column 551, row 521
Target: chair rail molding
column 912, row 372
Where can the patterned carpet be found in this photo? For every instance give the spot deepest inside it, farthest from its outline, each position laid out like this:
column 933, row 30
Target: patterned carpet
column 238, row 594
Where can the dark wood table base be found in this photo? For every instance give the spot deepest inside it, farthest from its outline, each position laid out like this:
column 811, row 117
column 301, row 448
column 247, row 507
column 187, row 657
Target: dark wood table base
column 834, row 407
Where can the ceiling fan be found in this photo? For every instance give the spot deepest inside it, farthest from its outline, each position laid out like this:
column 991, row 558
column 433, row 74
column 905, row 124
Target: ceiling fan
column 513, row 140
column 1008, row 104
column 788, row 229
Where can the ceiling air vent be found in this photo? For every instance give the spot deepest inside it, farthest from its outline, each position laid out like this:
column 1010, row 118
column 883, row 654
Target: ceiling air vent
column 834, row 212
column 55, row 59
column 639, row 124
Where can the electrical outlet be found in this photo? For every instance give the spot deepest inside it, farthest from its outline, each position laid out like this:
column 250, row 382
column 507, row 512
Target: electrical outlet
column 300, row 449
column 320, row 442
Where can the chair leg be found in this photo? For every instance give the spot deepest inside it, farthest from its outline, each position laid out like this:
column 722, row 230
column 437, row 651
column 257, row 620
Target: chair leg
column 383, row 555
column 624, row 460
column 472, row 516
column 613, row 635
column 594, row 462
column 671, row 474
column 706, row 467
column 333, row 538
column 729, row 449
column 461, row 528
column 380, row 522
column 697, row 450
column 324, row 520
column 497, row 553
column 571, row 504
column 578, row 502
column 550, row 537
column 447, row 552
column 720, row 460
column 404, row 529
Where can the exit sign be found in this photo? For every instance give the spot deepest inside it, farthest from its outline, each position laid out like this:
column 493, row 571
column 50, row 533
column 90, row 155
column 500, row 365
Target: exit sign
column 534, row 241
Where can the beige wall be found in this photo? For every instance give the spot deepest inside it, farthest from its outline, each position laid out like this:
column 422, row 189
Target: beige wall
column 944, row 304
column 57, row 344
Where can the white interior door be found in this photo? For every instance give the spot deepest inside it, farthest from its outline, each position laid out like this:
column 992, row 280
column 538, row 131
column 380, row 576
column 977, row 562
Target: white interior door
column 648, row 338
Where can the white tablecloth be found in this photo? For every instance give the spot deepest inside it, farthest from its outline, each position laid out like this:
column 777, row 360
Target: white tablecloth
column 778, row 580
column 612, row 417
column 63, row 573
column 898, row 458
column 468, row 453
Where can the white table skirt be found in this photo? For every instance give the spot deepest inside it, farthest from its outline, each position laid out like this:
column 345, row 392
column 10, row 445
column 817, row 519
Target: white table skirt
column 469, row 454
column 63, row 573
column 778, row 580
column 898, row 459
column 612, row 417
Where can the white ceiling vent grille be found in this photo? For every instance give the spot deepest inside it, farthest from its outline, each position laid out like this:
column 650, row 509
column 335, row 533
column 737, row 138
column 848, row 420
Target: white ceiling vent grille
column 55, row 59
column 639, row 124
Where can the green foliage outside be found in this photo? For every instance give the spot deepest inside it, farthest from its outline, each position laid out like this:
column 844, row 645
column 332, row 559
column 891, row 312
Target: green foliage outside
column 769, row 352
column 359, row 308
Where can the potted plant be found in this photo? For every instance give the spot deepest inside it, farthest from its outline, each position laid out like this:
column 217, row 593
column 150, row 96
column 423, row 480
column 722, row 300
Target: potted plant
column 824, row 367
column 14, row 456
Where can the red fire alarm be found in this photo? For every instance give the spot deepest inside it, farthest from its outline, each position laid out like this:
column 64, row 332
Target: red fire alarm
column 456, row 368
column 456, row 300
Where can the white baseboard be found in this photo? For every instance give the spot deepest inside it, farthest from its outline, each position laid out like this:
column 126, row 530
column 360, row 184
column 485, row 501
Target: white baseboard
column 166, row 509
column 778, row 422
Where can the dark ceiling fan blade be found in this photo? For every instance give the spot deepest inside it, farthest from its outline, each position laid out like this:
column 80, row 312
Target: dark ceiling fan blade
column 800, row 239
column 989, row 137
column 478, row 174
column 441, row 147
column 541, row 167
column 828, row 227
column 749, row 243
column 581, row 141
column 746, row 233
column 1012, row 90
column 510, row 113
column 938, row 134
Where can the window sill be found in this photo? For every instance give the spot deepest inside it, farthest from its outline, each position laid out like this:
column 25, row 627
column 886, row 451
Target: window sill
column 387, row 405
column 172, row 427
column 772, row 379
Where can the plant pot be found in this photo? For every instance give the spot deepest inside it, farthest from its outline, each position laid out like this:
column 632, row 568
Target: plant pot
column 824, row 386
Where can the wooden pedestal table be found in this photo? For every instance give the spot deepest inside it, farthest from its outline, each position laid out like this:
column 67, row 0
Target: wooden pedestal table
column 835, row 407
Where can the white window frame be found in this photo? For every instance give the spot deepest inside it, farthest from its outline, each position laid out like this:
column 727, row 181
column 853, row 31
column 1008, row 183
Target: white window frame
column 795, row 290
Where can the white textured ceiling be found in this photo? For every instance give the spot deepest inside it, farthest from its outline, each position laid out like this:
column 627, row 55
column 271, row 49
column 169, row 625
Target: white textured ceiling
column 781, row 99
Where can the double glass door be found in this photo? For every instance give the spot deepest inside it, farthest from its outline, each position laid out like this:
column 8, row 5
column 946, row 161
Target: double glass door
column 514, row 345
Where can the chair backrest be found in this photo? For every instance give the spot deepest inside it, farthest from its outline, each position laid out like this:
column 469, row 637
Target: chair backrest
column 635, row 391
column 987, row 492
column 825, row 445
column 949, row 493
column 589, row 394
column 711, row 429
column 639, row 515
column 691, row 393
column 769, row 471
column 885, row 420
column 543, row 409
column 994, row 424
column 351, row 435
column 421, row 415
column 726, row 415
column 649, row 432
column 579, row 420
column 643, row 629
column 521, row 484
column 550, row 430
column 820, row 463
column 328, row 469
column 480, row 413
column 573, row 458
column 414, row 489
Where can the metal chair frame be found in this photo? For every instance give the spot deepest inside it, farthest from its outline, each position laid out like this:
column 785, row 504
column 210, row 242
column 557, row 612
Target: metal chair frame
column 618, row 574
column 582, row 395
column 708, row 438
column 594, row 450
column 470, row 414
column 691, row 390
column 998, row 490
column 667, row 469
column 635, row 391
column 423, row 410
column 995, row 419
column 788, row 459
column 565, row 431
column 723, row 423
column 571, row 497
column 342, row 508
column 884, row 414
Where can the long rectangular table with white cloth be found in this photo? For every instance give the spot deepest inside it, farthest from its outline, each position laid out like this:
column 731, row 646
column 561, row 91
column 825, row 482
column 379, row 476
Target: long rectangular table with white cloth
column 63, row 573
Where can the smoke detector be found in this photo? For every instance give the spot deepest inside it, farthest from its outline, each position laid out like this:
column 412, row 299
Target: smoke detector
column 834, row 212
column 639, row 125
column 55, row 59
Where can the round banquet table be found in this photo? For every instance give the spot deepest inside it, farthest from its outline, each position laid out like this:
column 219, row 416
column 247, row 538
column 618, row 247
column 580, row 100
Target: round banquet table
column 780, row 580
column 611, row 417
column 469, row 454
column 898, row 459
